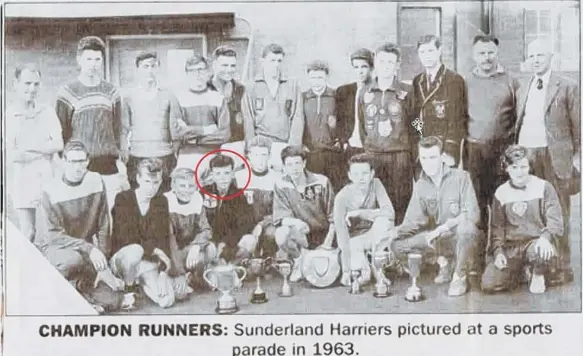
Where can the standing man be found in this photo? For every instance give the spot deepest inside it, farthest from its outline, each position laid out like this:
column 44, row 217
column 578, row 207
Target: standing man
column 348, row 104
column 549, row 124
column 151, row 121
column 272, row 105
column 89, row 110
column 386, row 130
column 492, row 116
column 440, row 100
column 320, row 132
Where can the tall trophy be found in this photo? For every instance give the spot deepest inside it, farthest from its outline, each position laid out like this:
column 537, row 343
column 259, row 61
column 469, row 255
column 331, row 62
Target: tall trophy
column 258, row 266
column 355, row 275
column 379, row 260
column 284, row 267
column 414, row 293
column 225, row 278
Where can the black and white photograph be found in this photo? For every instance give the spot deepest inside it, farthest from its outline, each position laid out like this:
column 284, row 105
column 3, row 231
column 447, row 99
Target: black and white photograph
column 286, row 158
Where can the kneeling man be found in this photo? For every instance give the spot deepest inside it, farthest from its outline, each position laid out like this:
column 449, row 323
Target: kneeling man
column 441, row 219
column 526, row 222
column 302, row 209
column 75, row 217
column 141, row 241
column 363, row 215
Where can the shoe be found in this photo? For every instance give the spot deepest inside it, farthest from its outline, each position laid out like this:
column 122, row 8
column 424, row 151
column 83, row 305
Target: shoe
column 526, row 275
column 560, row 277
column 458, row 286
column 444, row 275
column 296, row 274
column 537, row 284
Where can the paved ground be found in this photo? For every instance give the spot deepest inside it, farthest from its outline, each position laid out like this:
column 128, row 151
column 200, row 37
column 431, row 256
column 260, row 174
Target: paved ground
column 337, row 299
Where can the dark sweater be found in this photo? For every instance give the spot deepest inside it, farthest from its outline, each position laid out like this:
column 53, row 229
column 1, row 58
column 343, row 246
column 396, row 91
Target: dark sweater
column 130, row 227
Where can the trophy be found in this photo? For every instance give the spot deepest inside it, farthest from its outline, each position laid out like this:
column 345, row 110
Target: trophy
column 414, row 293
column 284, row 267
column 379, row 260
column 225, row 278
column 355, row 281
column 258, row 267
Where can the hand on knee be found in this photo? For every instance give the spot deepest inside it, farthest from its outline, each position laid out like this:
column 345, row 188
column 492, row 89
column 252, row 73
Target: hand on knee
column 282, row 234
column 466, row 230
column 248, row 243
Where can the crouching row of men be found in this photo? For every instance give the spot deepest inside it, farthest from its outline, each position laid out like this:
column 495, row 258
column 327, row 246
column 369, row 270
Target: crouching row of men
column 163, row 242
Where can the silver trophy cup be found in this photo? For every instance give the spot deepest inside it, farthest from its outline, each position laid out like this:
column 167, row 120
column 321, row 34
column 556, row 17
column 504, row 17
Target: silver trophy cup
column 226, row 279
column 378, row 260
column 414, row 293
column 258, row 266
column 284, row 267
column 355, row 279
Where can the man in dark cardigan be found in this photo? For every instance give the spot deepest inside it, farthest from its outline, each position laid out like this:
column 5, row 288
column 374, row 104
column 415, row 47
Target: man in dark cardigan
column 440, row 100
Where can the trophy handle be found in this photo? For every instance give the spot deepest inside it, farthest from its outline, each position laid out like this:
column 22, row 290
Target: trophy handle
column 239, row 268
column 268, row 261
column 205, row 277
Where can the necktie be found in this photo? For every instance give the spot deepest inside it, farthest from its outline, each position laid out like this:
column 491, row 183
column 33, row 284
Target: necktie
column 539, row 83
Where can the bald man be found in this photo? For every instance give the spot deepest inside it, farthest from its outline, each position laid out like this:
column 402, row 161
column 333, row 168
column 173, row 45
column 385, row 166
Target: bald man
column 549, row 124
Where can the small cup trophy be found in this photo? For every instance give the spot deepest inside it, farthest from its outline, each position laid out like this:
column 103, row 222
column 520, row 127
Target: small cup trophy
column 284, row 267
column 355, row 281
column 414, row 293
column 379, row 259
column 225, row 278
column 258, row 266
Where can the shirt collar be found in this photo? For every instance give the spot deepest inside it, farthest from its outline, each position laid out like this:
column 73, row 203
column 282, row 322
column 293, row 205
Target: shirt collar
column 231, row 191
column 327, row 92
column 310, row 178
column 261, row 77
column 545, row 77
column 445, row 170
column 216, row 84
column 432, row 74
column 499, row 71
column 18, row 110
column 374, row 85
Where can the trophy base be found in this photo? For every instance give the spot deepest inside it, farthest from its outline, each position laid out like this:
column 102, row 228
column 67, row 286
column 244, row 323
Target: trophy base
column 357, row 292
column 223, row 310
column 415, row 299
column 258, row 298
column 285, row 295
column 381, row 295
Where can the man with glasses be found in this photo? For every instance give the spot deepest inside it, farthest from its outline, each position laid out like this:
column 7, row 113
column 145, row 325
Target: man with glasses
column 205, row 114
column 76, row 237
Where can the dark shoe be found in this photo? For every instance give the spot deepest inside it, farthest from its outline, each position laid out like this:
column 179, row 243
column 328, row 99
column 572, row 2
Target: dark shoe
column 560, row 277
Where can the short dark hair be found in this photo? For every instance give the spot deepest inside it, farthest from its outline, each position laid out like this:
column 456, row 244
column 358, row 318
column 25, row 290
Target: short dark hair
column 258, row 141
column 513, row 154
column 389, row 47
column 150, row 166
column 431, row 141
column 363, row 54
column 485, row 39
column 428, row 39
column 318, row 65
column 361, row 158
column 74, row 146
column 294, row 151
column 31, row 67
column 272, row 48
column 91, row 43
column 145, row 55
column 194, row 60
column 224, row 51
column 221, row 160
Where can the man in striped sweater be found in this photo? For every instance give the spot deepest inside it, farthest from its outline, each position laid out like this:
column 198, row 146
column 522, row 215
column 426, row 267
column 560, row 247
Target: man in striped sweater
column 76, row 238
column 527, row 222
column 89, row 110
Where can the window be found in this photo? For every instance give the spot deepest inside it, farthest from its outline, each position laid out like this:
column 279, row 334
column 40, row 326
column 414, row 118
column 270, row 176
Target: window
column 559, row 26
column 415, row 22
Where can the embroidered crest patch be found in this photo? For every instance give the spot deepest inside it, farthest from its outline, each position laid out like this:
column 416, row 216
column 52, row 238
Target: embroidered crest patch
column 454, row 209
column 439, row 107
column 368, row 97
column 385, row 128
column 259, row 104
column 431, row 206
column 249, row 196
column 519, row 208
column 209, row 202
column 394, row 108
column 371, row 110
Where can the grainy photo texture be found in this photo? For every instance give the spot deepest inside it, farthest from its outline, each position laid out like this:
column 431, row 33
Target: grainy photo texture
column 297, row 158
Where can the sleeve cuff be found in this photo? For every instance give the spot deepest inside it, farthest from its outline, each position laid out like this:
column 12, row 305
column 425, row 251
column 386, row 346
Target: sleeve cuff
column 547, row 235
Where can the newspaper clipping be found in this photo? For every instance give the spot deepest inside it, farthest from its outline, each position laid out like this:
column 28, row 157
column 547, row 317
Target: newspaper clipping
column 291, row 178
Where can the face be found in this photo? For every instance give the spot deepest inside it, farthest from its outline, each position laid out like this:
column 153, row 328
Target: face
column 91, row 62
column 519, row 172
column 361, row 174
column 149, row 183
column 317, row 79
column 184, row 188
column 259, row 158
column 148, row 70
column 362, row 70
column 75, row 166
column 429, row 54
column 386, row 64
column 272, row 64
column 223, row 176
column 225, row 67
column 486, row 55
column 27, row 86
column 539, row 57
column 430, row 159
column 198, row 75
column 294, row 166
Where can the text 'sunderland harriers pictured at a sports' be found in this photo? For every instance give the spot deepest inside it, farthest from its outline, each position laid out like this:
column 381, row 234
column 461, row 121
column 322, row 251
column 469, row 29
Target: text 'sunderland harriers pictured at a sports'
column 389, row 159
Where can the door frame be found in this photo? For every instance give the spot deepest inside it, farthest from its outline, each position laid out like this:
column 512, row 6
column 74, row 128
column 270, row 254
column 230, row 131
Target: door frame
column 113, row 38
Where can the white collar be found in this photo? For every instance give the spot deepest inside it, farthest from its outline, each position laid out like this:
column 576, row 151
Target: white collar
column 431, row 74
column 545, row 77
